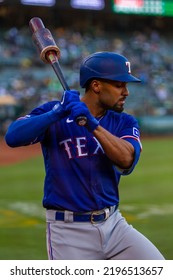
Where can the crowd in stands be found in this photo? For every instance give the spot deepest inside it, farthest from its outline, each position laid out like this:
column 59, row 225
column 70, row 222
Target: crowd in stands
column 30, row 82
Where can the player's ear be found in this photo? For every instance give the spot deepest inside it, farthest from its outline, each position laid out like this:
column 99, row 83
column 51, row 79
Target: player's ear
column 95, row 86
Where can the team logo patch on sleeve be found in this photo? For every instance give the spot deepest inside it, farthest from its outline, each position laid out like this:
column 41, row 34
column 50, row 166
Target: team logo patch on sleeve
column 136, row 132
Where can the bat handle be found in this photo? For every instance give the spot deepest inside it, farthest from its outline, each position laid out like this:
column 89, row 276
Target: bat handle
column 52, row 58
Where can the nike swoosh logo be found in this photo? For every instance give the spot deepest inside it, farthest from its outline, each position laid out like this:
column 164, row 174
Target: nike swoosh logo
column 69, row 121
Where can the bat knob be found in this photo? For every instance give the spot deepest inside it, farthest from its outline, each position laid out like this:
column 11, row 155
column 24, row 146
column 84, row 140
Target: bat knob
column 81, row 120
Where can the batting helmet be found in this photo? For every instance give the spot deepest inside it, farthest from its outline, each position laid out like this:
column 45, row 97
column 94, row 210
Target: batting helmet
column 106, row 65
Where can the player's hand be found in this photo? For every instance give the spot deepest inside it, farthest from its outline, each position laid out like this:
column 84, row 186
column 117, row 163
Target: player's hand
column 60, row 108
column 70, row 96
column 80, row 109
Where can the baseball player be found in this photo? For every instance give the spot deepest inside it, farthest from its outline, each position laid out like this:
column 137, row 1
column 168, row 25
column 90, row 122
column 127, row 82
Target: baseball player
column 84, row 164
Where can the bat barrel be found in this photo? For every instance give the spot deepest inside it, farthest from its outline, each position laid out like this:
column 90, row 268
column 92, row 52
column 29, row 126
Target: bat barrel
column 35, row 24
column 43, row 39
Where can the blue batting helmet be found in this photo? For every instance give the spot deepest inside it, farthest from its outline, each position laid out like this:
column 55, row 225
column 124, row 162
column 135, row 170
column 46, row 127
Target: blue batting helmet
column 106, row 65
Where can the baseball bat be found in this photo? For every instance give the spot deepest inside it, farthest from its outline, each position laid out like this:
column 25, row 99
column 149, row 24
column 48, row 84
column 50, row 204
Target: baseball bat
column 50, row 53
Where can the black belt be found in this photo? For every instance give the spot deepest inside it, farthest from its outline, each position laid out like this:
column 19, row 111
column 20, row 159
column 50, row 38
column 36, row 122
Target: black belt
column 93, row 217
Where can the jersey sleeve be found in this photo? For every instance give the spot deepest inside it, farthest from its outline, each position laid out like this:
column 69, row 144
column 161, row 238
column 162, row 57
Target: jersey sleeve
column 130, row 132
column 30, row 129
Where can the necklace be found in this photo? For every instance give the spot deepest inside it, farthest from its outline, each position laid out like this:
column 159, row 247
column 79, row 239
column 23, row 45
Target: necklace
column 101, row 117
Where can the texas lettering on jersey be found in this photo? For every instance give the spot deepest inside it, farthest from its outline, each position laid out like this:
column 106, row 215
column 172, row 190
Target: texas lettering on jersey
column 77, row 147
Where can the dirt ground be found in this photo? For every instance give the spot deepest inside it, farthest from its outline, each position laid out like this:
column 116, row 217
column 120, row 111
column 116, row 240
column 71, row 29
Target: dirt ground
column 13, row 155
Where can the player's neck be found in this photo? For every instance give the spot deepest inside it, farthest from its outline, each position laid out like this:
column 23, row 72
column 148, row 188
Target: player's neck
column 93, row 106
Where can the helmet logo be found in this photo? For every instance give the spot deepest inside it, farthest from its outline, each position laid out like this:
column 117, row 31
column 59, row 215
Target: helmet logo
column 128, row 66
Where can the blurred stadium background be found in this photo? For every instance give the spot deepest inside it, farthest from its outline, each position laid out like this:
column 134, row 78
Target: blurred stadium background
column 138, row 29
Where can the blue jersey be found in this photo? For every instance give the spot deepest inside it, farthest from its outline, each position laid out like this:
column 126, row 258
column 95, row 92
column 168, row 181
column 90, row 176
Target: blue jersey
column 79, row 175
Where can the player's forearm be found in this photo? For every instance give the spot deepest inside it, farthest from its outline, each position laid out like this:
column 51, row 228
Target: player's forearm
column 118, row 150
column 25, row 130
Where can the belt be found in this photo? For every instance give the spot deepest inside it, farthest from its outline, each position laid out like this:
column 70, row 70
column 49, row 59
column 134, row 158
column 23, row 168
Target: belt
column 93, row 217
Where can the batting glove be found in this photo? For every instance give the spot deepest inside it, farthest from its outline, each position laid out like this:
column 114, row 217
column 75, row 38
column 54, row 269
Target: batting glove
column 60, row 108
column 80, row 109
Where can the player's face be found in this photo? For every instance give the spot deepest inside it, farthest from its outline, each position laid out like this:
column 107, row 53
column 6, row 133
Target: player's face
column 113, row 94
